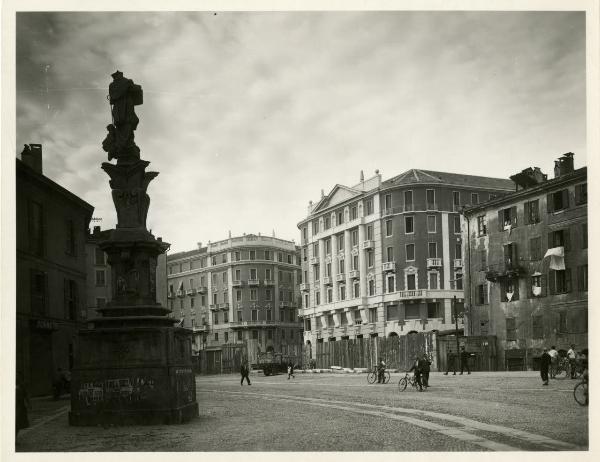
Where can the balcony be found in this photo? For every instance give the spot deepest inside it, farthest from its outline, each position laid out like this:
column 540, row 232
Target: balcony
column 283, row 304
column 354, row 274
column 458, row 263
column 255, row 323
column 191, row 292
column 213, row 307
column 215, row 288
column 181, row 293
column 368, row 244
column 419, row 293
column 431, row 206
column 237, row 283
column 202, row 289
column 171, row 295
column 224, row 306
column 304, row 287
column 269, row 282
column 253, row 282
column 389, row 266
column 434, row 263
column 341, row 277
column 314, row 260
column 327, row 280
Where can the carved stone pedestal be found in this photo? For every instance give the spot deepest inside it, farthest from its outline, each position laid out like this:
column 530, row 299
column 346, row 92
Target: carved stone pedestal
column 132, row 366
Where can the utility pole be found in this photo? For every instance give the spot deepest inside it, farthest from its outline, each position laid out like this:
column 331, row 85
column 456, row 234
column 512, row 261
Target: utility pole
column 456, row 327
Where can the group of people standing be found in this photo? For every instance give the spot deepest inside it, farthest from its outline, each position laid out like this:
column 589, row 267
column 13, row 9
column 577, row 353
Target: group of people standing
column 421, row 367
column 550, row 358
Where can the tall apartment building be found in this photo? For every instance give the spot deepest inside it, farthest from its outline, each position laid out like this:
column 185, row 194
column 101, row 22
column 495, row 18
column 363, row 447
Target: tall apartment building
column 51, row 225
column 526, row 265
column 385, row 258
column 241, row 288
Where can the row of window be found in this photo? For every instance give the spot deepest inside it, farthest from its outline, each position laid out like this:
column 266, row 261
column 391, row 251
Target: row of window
column 40, row 297
column 254, row 335
column 253, row 273
column 223, row 297
column 36, row 231
column 285, row 315
column 238, row 255
column 564, row 325
column 554, row 283
column 391, row 285
column 555, row 202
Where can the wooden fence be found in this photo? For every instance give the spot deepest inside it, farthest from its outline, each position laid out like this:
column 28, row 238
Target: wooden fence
column 397, row 352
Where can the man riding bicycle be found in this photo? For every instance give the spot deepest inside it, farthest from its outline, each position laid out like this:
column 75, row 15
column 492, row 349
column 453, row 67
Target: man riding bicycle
column 416, row 367
column 381, row 371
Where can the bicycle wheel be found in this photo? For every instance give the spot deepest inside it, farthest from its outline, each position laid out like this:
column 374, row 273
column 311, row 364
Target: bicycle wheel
column 402, row 384
column 580, row 392
column 372, row 377
column 387, row 377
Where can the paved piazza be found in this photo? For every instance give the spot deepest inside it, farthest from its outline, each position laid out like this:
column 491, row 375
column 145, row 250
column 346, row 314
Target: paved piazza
column 341, row 412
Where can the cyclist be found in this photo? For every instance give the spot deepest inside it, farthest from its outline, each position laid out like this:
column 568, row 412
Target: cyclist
column 424, row 366
column 381, row 371
column 417, row 370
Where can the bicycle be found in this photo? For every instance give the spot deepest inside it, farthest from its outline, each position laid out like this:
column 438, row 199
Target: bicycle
column 581, row 393
column 372, row 376
column 407, row 379
column 562, row 369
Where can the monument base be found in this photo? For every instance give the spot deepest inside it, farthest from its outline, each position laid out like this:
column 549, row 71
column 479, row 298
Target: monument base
column 133, row 376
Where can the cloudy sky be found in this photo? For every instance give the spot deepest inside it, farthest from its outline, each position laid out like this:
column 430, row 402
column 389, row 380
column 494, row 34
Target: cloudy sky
column 247, row 116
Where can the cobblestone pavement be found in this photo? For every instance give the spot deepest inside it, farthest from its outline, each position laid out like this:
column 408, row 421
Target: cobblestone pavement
column 341, row 412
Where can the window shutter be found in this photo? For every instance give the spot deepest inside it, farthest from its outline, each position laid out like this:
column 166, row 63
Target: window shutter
column 500, row 220
column 565, row 198
column 577, row 194
column 514, row 255
column 544, row 284
column 516, row 286
column 550, row 240
column 549, row 203
column 530, row 287
column 513, row 215
column 552, row 282
column 526, row 212
column 568, row 286
column 567, row 239
column 75, row 300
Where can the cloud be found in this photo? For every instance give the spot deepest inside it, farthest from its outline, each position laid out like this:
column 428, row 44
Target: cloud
column 247, row 116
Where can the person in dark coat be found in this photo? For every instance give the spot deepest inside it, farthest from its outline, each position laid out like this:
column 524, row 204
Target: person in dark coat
column 450, row 362
column 22, row 405
column 381, row 371
column 245, row 371
column 290, row 370
column 464, row 360
column 417, row 370
column 545, row 362
column 424, row 366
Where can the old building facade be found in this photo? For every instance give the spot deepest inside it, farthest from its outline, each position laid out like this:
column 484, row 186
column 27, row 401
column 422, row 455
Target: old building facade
column 526, row 265
column 51, row 225
column 242, row 288
column 384, row 258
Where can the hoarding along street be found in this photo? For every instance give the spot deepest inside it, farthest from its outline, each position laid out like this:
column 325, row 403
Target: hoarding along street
column 484, row 411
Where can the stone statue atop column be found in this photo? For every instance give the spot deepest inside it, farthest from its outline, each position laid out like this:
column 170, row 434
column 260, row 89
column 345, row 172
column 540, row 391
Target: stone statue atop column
column 123, row 96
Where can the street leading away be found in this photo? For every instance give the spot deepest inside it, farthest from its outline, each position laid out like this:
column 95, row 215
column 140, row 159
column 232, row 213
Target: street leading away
column 487, row 411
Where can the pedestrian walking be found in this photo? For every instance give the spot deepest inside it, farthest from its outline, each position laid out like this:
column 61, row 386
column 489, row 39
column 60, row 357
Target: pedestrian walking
column 381, row 371
column 245, row 371
column 464, row 360
column 554, row 361
column 424, row 366
column 22, row 405
column 417, row 370
column 450, row 362
column 545, row 362
column 290, row 370
column 572, row 356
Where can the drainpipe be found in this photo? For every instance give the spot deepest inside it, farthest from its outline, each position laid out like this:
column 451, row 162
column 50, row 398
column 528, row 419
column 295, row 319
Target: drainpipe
column 470, row 280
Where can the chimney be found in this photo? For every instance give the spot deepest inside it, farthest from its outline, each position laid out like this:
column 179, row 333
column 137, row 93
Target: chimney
column 564, row 165
column 528, row 178
column 199, row 245
column 32, row 156
column 362, row 176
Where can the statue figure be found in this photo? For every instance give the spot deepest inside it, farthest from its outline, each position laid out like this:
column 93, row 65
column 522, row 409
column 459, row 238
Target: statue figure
column 123, row 95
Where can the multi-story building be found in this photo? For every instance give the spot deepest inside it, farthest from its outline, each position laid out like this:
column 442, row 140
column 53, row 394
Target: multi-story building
column 385, row 258
column 526, row 265
column 241, row 288
column 51, row 272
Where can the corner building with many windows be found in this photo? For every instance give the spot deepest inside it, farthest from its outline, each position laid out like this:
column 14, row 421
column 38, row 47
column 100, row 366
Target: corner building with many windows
column 527, row 265
column 235, row 290
column 385, row 258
